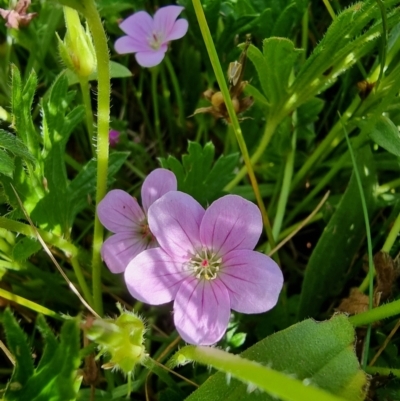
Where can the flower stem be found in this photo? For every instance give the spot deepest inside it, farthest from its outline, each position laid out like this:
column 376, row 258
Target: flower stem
column 212, row 53
column 376, row 314
column 287, row 178
column 103, row 115
column 177, row 92
column 154, row 76
column 85, row 89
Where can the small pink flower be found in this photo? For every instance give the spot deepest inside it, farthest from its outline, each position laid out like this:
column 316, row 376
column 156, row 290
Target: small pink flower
column 205, row 263
column 121, row 214
column 148, row 37
column 113, row 137
column 18, row 16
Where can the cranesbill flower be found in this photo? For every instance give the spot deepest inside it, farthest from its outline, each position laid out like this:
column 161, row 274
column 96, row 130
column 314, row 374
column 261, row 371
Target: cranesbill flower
column 148, row 37
column 113, row 137
column 121, row 214
column 205, row 263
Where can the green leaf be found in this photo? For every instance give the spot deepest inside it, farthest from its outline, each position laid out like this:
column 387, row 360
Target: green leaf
column 14, row 145
column 339, row 243
column 6, row 164
column 25, row 248
column 386, row 135
column 53, row 210
column 197, row 175
column 21, row 106
column 83, row 185
column 18, row 345
column 320, row 354
column 55, row 378
column 117, row 70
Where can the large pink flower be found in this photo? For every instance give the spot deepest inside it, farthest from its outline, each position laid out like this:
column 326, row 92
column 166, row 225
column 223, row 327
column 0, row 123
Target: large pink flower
column 121, row 214
column 148, row 37
column 205, row 263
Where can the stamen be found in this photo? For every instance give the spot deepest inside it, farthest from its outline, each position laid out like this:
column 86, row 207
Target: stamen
column 205, row 264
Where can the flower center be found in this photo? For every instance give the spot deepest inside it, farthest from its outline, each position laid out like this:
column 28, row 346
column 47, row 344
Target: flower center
column 205, row 264
column 155, row 40
column 145, row 232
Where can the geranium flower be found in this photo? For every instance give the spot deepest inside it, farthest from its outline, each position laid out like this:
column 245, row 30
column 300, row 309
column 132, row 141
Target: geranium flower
column 18, row 16
column 148, row 37
column 121, row 214
column 205, row 263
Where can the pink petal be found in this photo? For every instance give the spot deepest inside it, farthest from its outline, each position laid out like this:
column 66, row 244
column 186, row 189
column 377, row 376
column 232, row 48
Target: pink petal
column 127, row 44
column 157, row 183
column 178, row 30
column 138, row 26
column 154, row 277
column 119, row 249
column 151, row 58
column 164, row 20
column 174, row 220
column 253, row 280
column 120, row 212
column 231, row 222
column 201, row 311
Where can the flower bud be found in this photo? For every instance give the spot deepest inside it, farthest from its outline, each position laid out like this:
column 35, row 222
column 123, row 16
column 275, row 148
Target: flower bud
column 121, row 338
column 77, row 49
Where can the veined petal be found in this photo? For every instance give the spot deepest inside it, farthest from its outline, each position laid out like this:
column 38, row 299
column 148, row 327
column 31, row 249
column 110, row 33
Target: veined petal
column 138, row 26
column 120, row 212
column 252, row 279
column 157, row 183
column 174, row 220
column 201, row 311
column 178, row 30
column 151, row 58
column 119, row 249
column 128, row 44
column 154, row 277
column 231, row 222
column 164, row 20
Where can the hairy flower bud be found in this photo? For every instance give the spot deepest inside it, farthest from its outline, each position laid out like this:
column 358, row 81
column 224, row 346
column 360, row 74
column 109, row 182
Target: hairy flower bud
column 77, row 49
column 122, row 339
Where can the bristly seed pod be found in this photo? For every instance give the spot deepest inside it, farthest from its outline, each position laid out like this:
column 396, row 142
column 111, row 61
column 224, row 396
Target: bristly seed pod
column 236, row 86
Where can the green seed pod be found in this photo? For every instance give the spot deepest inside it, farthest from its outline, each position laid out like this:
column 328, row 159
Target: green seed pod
column 77, row 49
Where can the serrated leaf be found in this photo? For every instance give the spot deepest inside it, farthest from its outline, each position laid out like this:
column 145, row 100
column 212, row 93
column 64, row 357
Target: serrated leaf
column 14, row 145
column 18, row 345
column 6, row 164
column 339, row 242
column 322, row 353
column 21, row 106
column 197, row 176
column 280, row 56
column 386, row 135
column 117, row 70
column 25, row 248
column 55, row 378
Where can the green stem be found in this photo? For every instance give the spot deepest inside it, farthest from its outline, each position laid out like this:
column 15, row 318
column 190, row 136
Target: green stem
column 29, row 304
column 154, row 95
column 270, row 128
column 87, row 102
column 212, row 53
column 369, row 243
column 327, row 145
column 285, row 190
column 177, row 92
column 103, row 116
column 382, row 371
column 376, row 314
column 135, row 170
column 138, row 95
column 69, row 249
column 271, row 381
column 304, row 33
column 387, row 246
column 329, row 8
column 81, row 280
